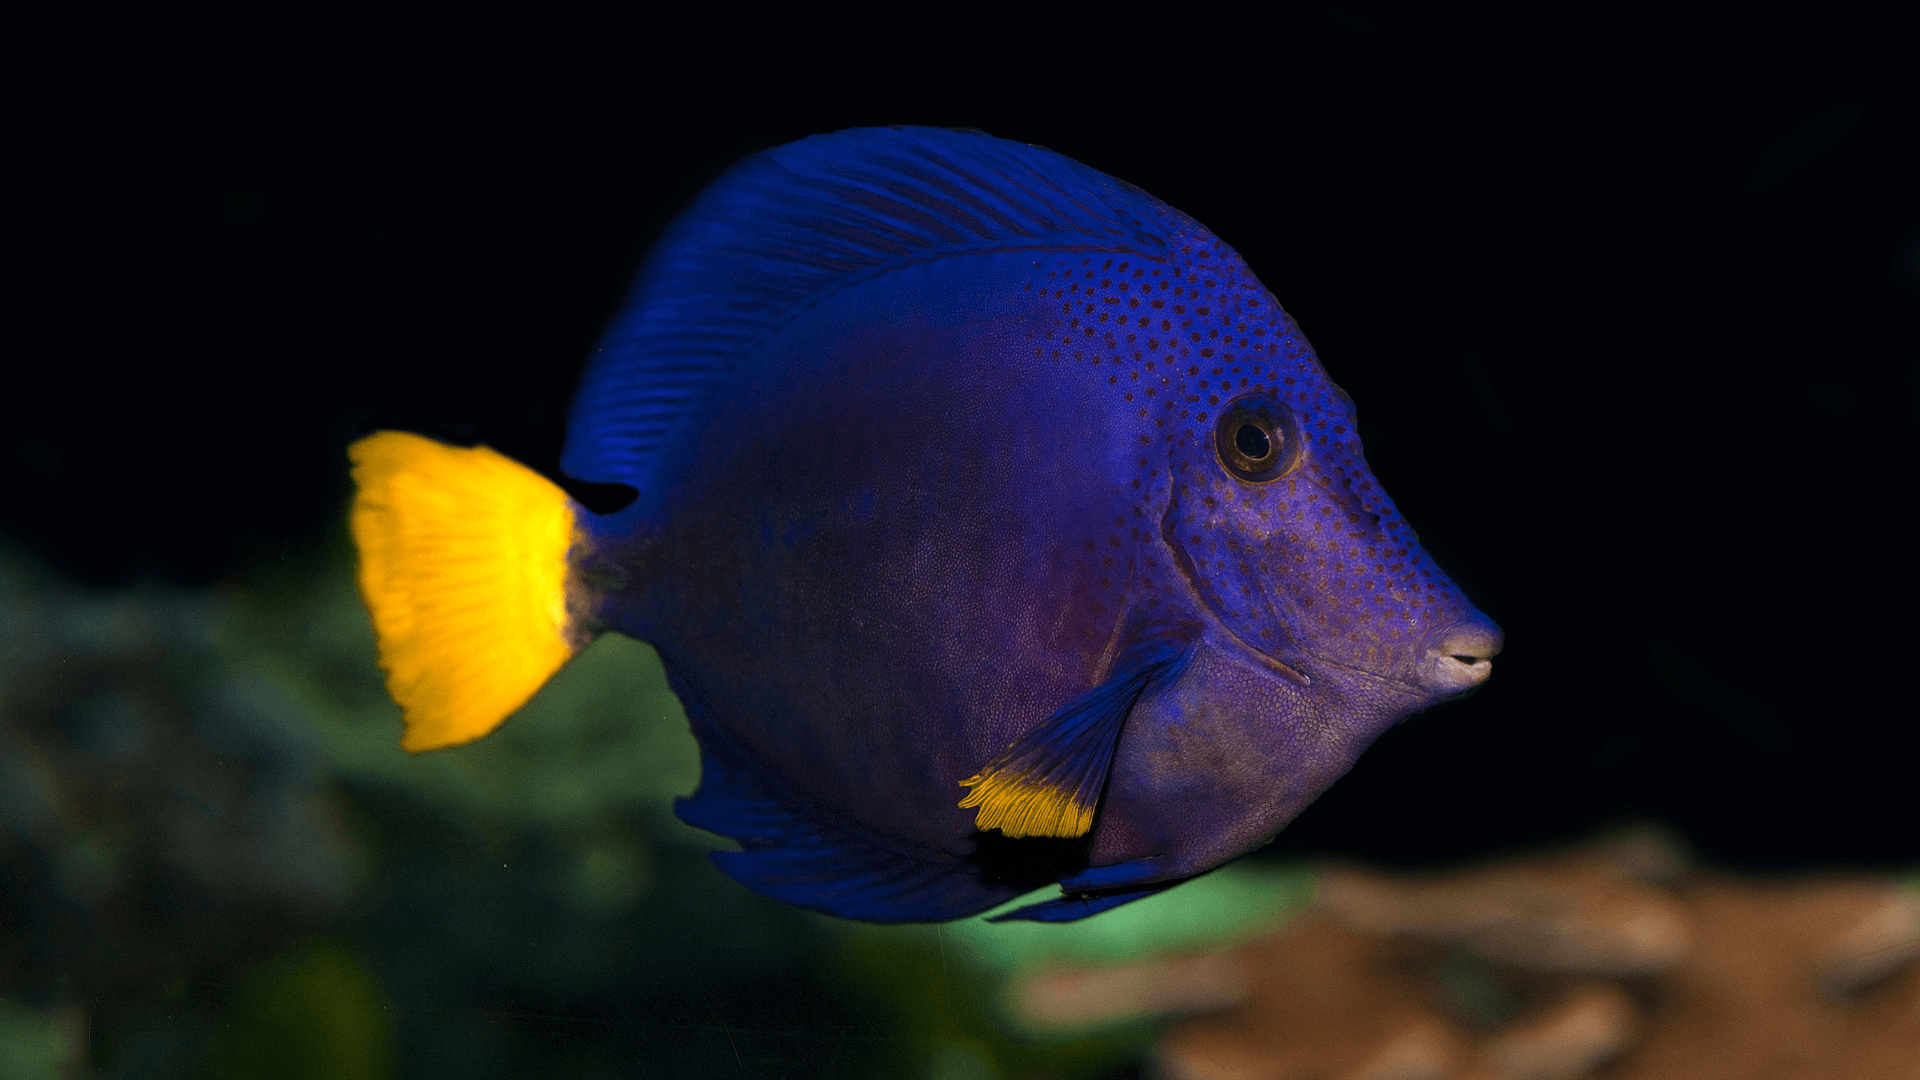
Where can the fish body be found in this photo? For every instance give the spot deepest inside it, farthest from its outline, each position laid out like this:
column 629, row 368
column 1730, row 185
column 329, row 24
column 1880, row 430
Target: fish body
column 995, row 527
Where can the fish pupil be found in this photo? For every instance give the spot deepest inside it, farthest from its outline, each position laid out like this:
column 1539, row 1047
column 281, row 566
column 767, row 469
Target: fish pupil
column 1252, row 442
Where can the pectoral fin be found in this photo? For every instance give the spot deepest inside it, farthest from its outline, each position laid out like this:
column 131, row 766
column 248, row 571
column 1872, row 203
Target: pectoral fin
column 1048, row 782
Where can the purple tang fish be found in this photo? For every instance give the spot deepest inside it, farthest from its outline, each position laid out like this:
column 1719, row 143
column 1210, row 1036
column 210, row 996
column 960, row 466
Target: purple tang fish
column 993, row 523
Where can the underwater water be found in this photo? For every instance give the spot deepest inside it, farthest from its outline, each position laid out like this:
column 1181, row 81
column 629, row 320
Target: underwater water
column 1628, row 300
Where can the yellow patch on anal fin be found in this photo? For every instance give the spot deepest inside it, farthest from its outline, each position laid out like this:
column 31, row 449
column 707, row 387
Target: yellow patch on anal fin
column 463, row 565
column 1018, row 806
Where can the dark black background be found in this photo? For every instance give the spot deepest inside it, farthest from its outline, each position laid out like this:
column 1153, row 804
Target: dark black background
column 1628, row 297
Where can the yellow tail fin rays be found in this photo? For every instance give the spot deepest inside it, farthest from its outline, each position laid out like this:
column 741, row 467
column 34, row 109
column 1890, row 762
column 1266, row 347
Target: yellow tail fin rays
column 1048, row 782
column 463, row 566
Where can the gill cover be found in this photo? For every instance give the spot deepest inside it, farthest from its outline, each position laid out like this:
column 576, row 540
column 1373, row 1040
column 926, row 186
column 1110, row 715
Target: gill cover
column 463, row 566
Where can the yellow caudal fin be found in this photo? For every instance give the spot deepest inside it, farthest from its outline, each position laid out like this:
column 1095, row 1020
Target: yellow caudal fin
column 463, row 564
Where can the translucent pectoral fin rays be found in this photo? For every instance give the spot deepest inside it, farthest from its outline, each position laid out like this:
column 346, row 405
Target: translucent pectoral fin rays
column 1048, row 782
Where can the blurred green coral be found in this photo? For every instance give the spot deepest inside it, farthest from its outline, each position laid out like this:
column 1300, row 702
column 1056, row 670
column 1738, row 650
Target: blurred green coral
column 317, row 1014
column 605, row 736
column 35, row 1044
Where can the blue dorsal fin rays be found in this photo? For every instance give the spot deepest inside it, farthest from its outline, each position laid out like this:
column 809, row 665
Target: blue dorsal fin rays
column 1048, row 782
column 784, row 229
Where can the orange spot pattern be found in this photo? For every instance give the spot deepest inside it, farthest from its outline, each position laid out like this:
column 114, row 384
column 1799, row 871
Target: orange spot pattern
column 1317, row 561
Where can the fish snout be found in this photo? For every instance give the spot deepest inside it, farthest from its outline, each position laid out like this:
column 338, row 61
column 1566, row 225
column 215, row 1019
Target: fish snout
column 1461, row 656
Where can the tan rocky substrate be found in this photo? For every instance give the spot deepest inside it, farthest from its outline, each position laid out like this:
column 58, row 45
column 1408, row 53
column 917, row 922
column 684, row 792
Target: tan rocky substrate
column 1607, row 961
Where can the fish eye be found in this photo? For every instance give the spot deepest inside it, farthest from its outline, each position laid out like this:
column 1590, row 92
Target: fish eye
column 1257, row 440
column 1253, row 441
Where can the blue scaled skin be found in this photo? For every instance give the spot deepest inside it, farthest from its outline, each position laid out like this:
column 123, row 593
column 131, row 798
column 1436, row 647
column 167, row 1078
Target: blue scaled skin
column 963, row 468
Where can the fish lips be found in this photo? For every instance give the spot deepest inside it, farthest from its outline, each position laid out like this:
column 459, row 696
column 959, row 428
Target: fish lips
column 1460, row 659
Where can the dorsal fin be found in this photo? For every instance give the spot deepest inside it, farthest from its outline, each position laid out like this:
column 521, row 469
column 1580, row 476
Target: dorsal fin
column 789, row 226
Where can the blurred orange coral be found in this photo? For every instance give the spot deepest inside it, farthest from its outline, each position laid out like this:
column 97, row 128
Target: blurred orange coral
column 1608, row 960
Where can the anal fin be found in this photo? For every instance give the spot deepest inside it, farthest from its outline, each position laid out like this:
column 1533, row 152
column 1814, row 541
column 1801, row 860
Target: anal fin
column 1076, row 906
column 1099, row 888
column 800, row 855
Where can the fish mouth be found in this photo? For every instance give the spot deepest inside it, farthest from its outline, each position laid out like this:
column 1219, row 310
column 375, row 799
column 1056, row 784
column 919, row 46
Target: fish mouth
column 1457, row 674
column 1462, row 658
